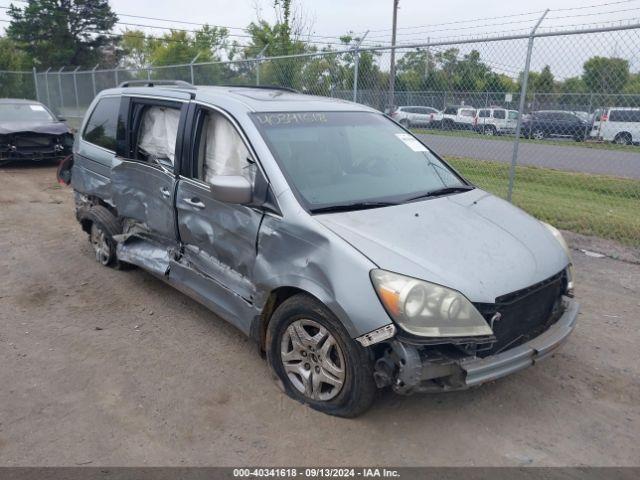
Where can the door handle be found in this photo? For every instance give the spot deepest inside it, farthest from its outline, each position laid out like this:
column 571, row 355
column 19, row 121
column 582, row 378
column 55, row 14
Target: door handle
column 194, row 202
column 165, row 192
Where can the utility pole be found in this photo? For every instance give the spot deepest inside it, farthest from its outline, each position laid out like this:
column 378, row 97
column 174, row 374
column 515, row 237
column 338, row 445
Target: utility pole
column 392, row 72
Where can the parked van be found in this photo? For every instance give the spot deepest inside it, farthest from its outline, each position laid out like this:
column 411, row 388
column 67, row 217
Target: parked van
column 618, row 125
column 495, row 121
column 354, row 256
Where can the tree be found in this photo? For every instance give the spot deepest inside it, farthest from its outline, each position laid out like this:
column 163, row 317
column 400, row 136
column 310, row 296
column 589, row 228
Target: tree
column 544, row 81
column 63, row 32
column 605, row 75
column 14, row 59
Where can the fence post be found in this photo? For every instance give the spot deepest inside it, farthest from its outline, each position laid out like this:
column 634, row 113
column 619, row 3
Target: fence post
column 523, row 94
column 191, row 67
column 46, row 84
column 356, row 66
column 149, row 72
column 75, row 88
column 260, row 57
column 60, row 87
column 93, row 80
column 115, row 76
column 35, row 83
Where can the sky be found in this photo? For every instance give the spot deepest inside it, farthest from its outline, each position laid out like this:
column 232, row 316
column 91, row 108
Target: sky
column 419, row 20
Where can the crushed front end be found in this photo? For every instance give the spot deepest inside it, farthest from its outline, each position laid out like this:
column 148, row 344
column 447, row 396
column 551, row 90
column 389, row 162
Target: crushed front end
column 34, row 146
column 527, row 326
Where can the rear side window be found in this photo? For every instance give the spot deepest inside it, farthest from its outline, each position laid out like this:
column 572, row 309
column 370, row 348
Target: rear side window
column 624, row 116
column 102, row 125
column 484, row 113
column 467, row 113
column 499, row 114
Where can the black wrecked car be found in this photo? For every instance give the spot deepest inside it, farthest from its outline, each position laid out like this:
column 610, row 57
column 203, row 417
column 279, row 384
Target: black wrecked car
column 29, row 131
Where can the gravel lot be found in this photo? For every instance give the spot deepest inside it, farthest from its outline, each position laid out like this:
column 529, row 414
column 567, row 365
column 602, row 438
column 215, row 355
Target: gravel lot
column 102, row 367
column 570, row 157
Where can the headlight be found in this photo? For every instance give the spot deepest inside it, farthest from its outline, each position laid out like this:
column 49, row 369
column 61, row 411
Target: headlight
column 558, row 236
column 426, row 309
column 556, row 233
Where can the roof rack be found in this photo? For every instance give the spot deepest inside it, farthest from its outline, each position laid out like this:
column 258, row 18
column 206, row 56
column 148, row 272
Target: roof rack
column 153, row 83
column 265, row 87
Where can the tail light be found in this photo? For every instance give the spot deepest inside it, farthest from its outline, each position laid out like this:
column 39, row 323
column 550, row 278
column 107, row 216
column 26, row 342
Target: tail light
column 604, row 118
column 394, row 113
column 475, row 121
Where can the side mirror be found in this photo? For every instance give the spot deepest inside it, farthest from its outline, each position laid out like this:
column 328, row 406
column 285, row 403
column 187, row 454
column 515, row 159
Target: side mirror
column 231, row 189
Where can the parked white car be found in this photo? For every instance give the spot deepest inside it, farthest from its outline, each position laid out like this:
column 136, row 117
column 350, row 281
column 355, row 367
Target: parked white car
column 495, row 121
column 458, row 117
column 618, row 125
column 416, row 116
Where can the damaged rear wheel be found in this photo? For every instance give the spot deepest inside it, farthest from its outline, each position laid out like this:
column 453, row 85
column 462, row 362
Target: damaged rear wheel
column 316, row 361
column 103, row 225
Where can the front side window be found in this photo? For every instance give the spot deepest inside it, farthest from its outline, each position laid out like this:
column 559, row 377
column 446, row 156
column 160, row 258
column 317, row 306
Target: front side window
column 450, row 111
column 24, row 112
column 484, row 114
column 342, row 158
column 102, row 125
column 513, row 115
column 221, row 150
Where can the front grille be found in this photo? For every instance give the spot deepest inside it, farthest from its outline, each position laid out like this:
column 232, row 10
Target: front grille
column 525, row 314
column 33, row 141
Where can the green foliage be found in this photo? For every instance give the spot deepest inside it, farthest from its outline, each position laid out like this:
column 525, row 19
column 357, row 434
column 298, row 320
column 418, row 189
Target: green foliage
column 63, row 32
column 13, row 58
column 605, row 75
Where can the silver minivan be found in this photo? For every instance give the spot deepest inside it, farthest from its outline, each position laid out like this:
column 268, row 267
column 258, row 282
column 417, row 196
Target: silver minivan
column 354, row 256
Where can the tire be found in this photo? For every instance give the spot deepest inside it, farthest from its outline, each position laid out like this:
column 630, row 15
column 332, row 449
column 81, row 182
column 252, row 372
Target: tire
column 489, row 131
column 623, row 139
column 299, row 320
column 104, row 225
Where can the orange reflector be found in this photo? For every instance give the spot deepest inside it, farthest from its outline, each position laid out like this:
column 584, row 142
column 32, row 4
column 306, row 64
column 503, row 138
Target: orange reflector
column 391, row 300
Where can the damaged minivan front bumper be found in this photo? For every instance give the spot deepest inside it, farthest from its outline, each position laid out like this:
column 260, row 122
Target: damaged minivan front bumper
column 410, row 368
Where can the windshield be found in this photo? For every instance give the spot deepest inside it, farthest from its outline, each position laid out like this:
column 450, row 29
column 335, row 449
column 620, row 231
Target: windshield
column 344, row 158
column 24, row 112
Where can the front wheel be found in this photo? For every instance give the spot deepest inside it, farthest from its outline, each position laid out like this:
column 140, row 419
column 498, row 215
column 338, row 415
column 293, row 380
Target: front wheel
column 315, row 360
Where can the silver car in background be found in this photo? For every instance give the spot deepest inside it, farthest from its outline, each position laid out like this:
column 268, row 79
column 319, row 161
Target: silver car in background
column 353, row 255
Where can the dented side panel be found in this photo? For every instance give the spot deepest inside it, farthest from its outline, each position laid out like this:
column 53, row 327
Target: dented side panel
column 144, row 193
column 304, row 255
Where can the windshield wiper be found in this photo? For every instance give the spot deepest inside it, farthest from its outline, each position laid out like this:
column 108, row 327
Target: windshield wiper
column 346, row 207
column 442, row 191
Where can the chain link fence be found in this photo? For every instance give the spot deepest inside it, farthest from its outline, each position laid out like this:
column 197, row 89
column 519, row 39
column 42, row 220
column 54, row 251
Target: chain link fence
column 549, row 121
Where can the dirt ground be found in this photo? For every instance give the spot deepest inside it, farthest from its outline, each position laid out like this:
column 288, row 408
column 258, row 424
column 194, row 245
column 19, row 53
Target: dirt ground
column 102, row 367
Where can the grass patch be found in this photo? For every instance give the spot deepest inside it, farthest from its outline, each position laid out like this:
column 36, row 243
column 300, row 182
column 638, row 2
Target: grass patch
column 510, row 138
column 598, row 205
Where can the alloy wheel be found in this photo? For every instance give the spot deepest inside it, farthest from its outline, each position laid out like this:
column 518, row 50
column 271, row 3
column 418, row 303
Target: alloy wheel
column 100, row 244
column 538, row 135
column 312, row 360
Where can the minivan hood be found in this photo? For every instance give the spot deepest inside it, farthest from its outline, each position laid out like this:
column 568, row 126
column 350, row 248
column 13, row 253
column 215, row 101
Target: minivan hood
column 473, row 242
